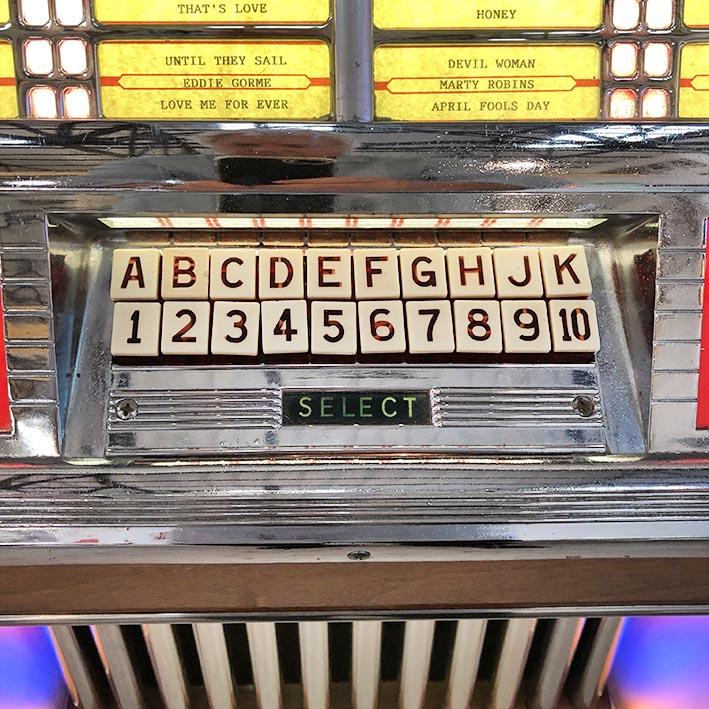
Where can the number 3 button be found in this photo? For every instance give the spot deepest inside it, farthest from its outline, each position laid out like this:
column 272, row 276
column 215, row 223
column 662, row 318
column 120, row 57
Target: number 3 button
column 235, row 329
column 185, row 327
column 334, row 326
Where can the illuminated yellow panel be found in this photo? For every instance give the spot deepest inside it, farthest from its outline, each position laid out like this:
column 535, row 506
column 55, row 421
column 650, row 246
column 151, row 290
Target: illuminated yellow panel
column 694, row 81
column 696, row 13
column 8, row 85
column 210, row 79
column 4, row 12
column 503, row 82
column 160, row 12
column 489, row 14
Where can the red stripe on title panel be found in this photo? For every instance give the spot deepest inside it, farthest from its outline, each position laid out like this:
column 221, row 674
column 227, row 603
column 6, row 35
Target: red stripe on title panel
column 703, row 393
column 5, row 415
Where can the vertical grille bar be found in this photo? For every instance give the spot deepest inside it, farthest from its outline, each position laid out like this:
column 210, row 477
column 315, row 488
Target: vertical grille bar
column 557, row 659
column 165, row 658
column 75, row 670
column 314, row 664
column 263, row 649
column 469, row 637
column 366, row 658
column 117, row 665
column 513, row 657
column 418, row 642
column 214, row 660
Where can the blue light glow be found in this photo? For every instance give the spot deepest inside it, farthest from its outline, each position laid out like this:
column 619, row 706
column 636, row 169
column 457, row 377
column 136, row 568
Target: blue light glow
column 30, row 677
column 662, row 663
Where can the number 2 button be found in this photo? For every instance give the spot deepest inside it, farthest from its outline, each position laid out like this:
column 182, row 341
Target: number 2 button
column 185, row 327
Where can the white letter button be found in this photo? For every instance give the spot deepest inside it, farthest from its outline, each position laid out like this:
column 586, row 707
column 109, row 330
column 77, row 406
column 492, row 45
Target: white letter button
column 185, row 327
column 470, row 273
column 381, row 326
column 525, row 325
column 135, row 274
column 284, row 326
column 136, row 330
column 232, row 274
column 185, row 274
column 376, row 273
column 429, row 325
column 235, row 328
column 565, row 271
column 423, row 273
column 329, row 273
column 478, row 326
column 518, row 273
column 334, row 328
column 281, row 274
column 574, row 326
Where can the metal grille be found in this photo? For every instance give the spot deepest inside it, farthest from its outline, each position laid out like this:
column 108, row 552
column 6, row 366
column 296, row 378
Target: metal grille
column 411, row 664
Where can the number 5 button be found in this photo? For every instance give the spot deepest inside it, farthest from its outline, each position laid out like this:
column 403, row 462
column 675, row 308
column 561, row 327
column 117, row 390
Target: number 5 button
column 185, row 327
column 525, row 325
column 334, row 328
column 235, row 329
column 574, row 326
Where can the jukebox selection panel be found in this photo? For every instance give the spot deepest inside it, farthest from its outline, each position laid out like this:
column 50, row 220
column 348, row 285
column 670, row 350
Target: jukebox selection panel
column 274, row 60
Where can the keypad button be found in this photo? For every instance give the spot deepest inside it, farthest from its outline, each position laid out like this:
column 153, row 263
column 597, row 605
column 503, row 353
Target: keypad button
column 284, row 326
column 381, row 326
column 518, row 273
column 185, row 327
column 232, row 274
column 525, row 325
column 334, row 328
column 185, row 274
column 136, row 330
column 376, row 273
column 429, row 326
column 423, row 273
column 135, row 274
column 329, row 274
column 565, row 271
column 281, row 274
column 235, row 328
column 478, row 326
column 574, row 326
column 470, row 273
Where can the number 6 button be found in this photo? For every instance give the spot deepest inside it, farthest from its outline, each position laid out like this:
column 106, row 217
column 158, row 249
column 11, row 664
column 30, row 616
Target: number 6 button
column 185, row 327
column 235, row 329
column 525, row 325
column 381, row 326
column 334, row 328
column 574, row 326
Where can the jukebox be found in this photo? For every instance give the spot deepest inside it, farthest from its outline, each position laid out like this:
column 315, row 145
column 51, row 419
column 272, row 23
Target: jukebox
column 354, row 353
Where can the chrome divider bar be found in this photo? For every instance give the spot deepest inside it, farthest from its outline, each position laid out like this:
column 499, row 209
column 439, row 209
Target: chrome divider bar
column 75, row 670
column 510, row 666
column 314, row 662
column 418, row 642
column 118, row 666
column 366, row 658
column 265, row 666
column 214, row 660
column 469, row 638
column 165, row 658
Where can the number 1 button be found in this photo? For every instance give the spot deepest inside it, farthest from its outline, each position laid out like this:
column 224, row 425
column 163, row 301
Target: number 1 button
column 136, row 330
column 334, row 328
column 284, row 326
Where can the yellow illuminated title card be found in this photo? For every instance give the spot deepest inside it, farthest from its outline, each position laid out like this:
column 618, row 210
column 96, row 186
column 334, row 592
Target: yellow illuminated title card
column 491, row 82
column 694, row 81
column 8, row 84
column 489, row 14
column 161, row 12
column 215, row 79
column 4, row 12
column 696, row 14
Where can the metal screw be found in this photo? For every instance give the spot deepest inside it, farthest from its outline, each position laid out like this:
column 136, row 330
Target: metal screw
column 359, row 555
column 126, row 409
column 584, row 406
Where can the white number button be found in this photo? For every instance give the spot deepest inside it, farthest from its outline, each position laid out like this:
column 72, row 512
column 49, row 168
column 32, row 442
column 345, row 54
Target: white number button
column 135, row 274
column 185, row 274
column 376, row 274
column 423, row 273
column 235, row 328
column 470, row 273
column 478, row 326
column 284, row 326
column 281, row 274
column 525, row 325
column 518, row 273
column 185, row 328
column 565, row 270
column 381, row 326
column 232, row 274
column 329, row 274
column 136, row 330
column 334, row 328
column 429, row 325
column 574, row 326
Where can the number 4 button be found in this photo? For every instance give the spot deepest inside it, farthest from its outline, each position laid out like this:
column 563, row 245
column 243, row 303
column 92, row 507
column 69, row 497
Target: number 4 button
column 284, row 326
column 334, row 328
column 574, row 326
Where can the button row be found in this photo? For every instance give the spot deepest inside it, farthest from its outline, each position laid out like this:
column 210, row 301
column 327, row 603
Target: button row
column 345, row 328
column 340, row 274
